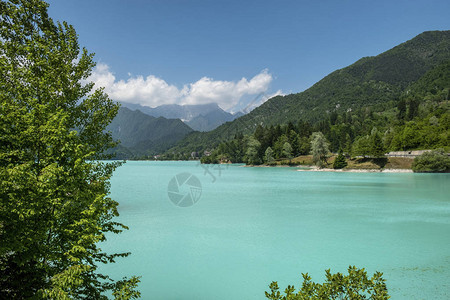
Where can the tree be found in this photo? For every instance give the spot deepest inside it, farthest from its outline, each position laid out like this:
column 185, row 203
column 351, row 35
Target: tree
column 268, row 155
column 361, row 146
column 355, row 285
column 295, row 142
column 377, row 149
column 319, row 148
column 413, row 110
column 252, row 151
column 347, row 144
column 401, row 106
column 54, row 204
column 278, row 145
column 433, row 161
column 340, row 161
column 304, row 146
column 287, row 151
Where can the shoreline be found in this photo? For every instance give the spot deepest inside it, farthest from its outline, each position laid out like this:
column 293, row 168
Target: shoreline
column 316, row 169
column 310, row 168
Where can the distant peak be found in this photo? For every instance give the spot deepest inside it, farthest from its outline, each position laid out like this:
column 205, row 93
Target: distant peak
column 210, row 105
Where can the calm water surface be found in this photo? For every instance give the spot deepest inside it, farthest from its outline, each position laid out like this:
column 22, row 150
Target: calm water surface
column 254, row 225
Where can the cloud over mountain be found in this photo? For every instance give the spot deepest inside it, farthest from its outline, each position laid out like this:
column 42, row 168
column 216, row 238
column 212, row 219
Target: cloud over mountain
column 153, row 91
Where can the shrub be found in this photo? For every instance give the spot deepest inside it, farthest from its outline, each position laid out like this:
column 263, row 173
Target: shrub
column 433, row 161
column 355, row 285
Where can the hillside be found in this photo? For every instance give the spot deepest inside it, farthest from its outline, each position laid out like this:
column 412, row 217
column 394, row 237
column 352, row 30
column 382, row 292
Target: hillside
column 141, row 134
column 368, row 82
column 419, row 120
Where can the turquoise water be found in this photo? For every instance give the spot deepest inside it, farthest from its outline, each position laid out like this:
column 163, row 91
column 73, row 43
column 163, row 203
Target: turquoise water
column 251, row 226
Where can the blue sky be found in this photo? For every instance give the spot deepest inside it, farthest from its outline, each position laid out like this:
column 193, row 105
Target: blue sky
column 229, row 52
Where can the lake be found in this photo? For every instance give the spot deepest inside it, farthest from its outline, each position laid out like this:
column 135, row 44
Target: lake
column 235, row 229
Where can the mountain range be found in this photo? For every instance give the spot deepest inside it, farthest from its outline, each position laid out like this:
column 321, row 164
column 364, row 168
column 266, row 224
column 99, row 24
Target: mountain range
column 368, row 82
column 142, row 135
column 201, row 117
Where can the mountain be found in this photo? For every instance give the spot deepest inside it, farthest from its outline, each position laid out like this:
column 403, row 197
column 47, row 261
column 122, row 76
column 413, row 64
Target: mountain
column 369, row 81
column 202, row 117
column 418, row 120
column 211, row 120
column 141, row 134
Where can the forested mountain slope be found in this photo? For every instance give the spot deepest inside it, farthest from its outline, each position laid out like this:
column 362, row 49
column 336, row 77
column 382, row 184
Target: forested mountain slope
column 141, row 134
column 419, row 120
column 370, row 81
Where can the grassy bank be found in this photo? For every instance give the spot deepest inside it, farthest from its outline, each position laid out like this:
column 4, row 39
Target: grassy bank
column 401, row 163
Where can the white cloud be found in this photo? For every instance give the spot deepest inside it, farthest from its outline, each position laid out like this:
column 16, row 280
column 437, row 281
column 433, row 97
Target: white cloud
column 153, row 91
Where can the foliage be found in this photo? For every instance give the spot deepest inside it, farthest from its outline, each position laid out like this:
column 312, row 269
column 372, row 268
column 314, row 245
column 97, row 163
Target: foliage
column 319, row 148
column 268, row 155
column 54, row 208
column 127, row 289
column 434, row 85
column 369, row 90
column 340, row 161
column 417, row 116
column 367, row 133
column 251, row 154
column 401, row 107
column 361, row 147
column 376, row 145
column 433, row 161
column 287, row 150
column 355, row 285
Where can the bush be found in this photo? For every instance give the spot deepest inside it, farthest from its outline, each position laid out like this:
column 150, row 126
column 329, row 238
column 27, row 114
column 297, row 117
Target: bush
column 433, row 161
column 355, row 285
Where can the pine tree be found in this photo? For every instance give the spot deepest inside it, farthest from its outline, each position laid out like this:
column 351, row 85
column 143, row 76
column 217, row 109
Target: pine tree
column 340, row 161
column 377, row 149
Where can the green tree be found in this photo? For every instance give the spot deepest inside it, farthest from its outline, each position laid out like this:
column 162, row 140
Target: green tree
column 347, row 144
column 355, row 285
column 268, row 155
column 433, row 161
column 252, row 157
column 401, row 106
column 54, row 204
column 377, row 149
column 361, row 146
column 319, row 148
column 340, row 161
column 304, row 146
column 278, row 145
column 413, row 109
column 295, row 142
column 287, row 151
